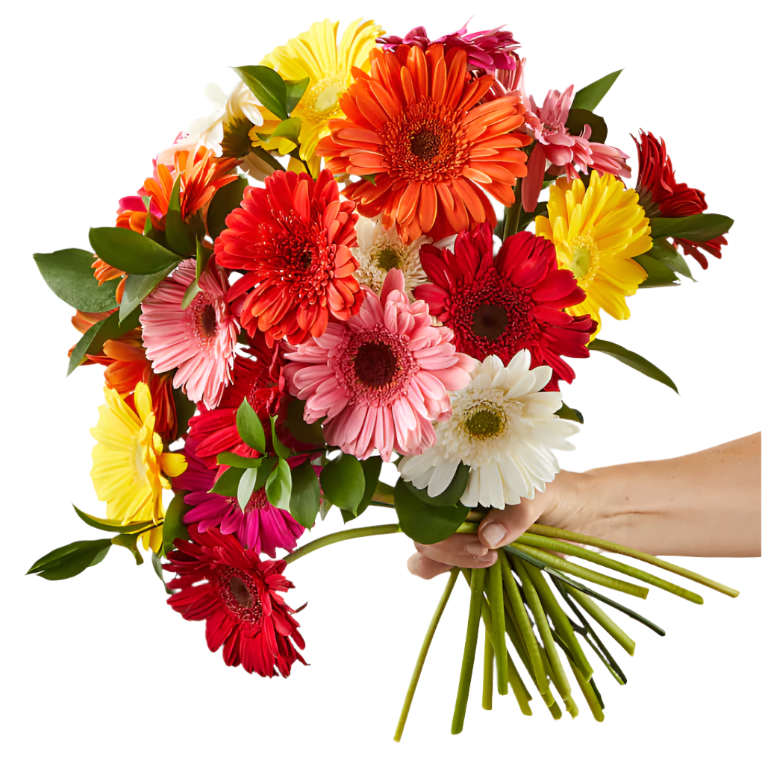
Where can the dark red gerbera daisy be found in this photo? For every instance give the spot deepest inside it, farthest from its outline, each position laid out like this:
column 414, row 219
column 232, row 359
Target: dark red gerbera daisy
column 239, row 597
column 662, row 197
column 500, row 305
column 293, row 240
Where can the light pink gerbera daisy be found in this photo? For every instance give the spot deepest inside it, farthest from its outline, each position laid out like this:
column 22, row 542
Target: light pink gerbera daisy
column 380, row 378
column 198, row 341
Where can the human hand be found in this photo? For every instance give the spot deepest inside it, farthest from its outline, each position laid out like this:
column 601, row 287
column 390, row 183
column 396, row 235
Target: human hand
column 563, row 504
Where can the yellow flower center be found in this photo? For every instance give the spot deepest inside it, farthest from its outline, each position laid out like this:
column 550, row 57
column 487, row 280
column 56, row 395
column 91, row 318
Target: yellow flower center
column 322, row 99
column 388, row 258
column 484, row 423
column 584, row 257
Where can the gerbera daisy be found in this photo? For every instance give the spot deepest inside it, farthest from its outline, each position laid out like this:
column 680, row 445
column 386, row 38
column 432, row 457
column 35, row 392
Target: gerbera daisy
column 240, row 598
column 662, row 197
column 293, row 240
column 380, row 378
column 488, row 50
column 331, row 67
column 566, row 153
column 260, row 526
column 379, row 249
column 597, row 232
column 199, row 340
column 501, row 305
column 504, row 429
column 129, row 463
column 413, row 123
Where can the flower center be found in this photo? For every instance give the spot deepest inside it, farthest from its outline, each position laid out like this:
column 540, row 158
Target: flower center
column 208, row 320
column 389, row 258
column 375, row 364
column 490, row 321
column 484, row 423
column 322, row 100
column 240, row 594
column 584, row 257
column 257, row 502
column 203, row 313
column 426, row 142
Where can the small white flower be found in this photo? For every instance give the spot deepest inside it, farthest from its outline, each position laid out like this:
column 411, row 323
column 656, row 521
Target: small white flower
column 379, row 250
column 504, row 428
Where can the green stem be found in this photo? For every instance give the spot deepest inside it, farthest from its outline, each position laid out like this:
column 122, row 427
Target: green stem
column 590, row 606
column 489, row 664
column 495, row 597
column 550, row 543
column 605, row 545
column 512, row 214
column 337, row 537
column 556, row 562
column 587, row 690
column 428, row 638
column 469, row 651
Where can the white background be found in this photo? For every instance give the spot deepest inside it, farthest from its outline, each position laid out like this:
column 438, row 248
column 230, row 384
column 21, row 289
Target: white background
column 99, row 670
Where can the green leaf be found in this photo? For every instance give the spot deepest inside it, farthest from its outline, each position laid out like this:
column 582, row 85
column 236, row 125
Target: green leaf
column 203, row 255
column 305, row 494
column 71, row 560
column 107, row 329
column 224, row 202
column 453, row 493
column 307, row 433
column 631, row 359
column 192, row 291
column 174, row 526
column 371, row 468
column 278, row 485
column 250, row 427
column 568, row 413
column 180, row 237
column 669, row 256
column 238, row 461
column 370, row 178
column 266, row 157
column 246, row 487
column 69, row 274
column 697, row 228
column 129, row 251
column 294, row 92
column 659, row 274
column 138, row 286
column 185, row 409
column 227, row 484
column 281, row 450
column 130, row 542
column 343, row 482
column 424, row 523
column 267, row 85
column 264, row 471
column 591, row 95
column 106, row 525
column 288, row 129
column 577, row 120
column 527, row 218
column 159, row 569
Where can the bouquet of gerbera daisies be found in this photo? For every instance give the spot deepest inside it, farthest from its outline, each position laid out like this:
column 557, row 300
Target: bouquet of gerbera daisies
column 376, row 251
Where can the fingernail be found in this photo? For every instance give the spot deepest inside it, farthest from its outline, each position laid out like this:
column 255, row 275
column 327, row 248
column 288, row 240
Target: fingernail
column 493, row 534
column 477, row 549
column 488, row 557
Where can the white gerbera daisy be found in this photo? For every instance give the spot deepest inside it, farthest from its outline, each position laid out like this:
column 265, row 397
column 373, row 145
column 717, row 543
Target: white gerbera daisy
column 504, row 428
column 379, row 250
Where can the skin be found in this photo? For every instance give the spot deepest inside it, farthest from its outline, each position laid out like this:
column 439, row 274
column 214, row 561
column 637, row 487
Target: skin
column 703, row 504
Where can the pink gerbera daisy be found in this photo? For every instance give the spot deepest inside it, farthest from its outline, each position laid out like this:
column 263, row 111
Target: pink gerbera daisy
column 198, row 341
column 380, row 378
column 260, row 526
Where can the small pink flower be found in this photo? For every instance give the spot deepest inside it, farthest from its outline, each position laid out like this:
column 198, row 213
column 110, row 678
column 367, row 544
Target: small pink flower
column 380, row 378
column 554, row 144
column 198, row 341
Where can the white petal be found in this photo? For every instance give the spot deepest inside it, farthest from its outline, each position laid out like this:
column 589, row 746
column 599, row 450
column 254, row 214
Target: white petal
column 442, row 476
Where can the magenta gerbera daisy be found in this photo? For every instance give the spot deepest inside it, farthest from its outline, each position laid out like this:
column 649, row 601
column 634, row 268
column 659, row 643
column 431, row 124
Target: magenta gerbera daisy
column 199, row 340
column 260, row 526
column 500, row 305
column 239, row 597
column 380, row 378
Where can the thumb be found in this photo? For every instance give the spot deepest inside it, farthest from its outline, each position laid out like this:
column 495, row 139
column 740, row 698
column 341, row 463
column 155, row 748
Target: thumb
column 503, row 525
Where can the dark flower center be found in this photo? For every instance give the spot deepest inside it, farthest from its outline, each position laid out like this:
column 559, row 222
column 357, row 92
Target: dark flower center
column 375, row 364
column 490, row 320
column 425, row 145
column 240, row 594
column 388, row 258
column 484, row 423
column 208, row 320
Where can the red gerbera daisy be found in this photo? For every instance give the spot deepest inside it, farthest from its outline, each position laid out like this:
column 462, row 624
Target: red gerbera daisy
column 662, row 197
column 293, row 239
column 415, row 123
column 500, row 305
column 239, row 597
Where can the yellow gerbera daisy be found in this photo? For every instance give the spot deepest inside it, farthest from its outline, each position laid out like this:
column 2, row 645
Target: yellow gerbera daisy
column 597, row 232
column 315, row 54
column 129, row 464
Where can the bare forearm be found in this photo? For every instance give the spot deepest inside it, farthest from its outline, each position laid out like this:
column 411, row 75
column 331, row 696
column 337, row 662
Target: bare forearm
column 704, row 504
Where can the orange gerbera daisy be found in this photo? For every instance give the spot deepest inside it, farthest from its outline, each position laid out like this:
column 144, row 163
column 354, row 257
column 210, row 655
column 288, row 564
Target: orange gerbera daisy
column 414, row 124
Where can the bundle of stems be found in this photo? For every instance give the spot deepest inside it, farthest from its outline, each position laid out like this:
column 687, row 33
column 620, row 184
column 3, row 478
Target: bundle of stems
column 534, row 596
